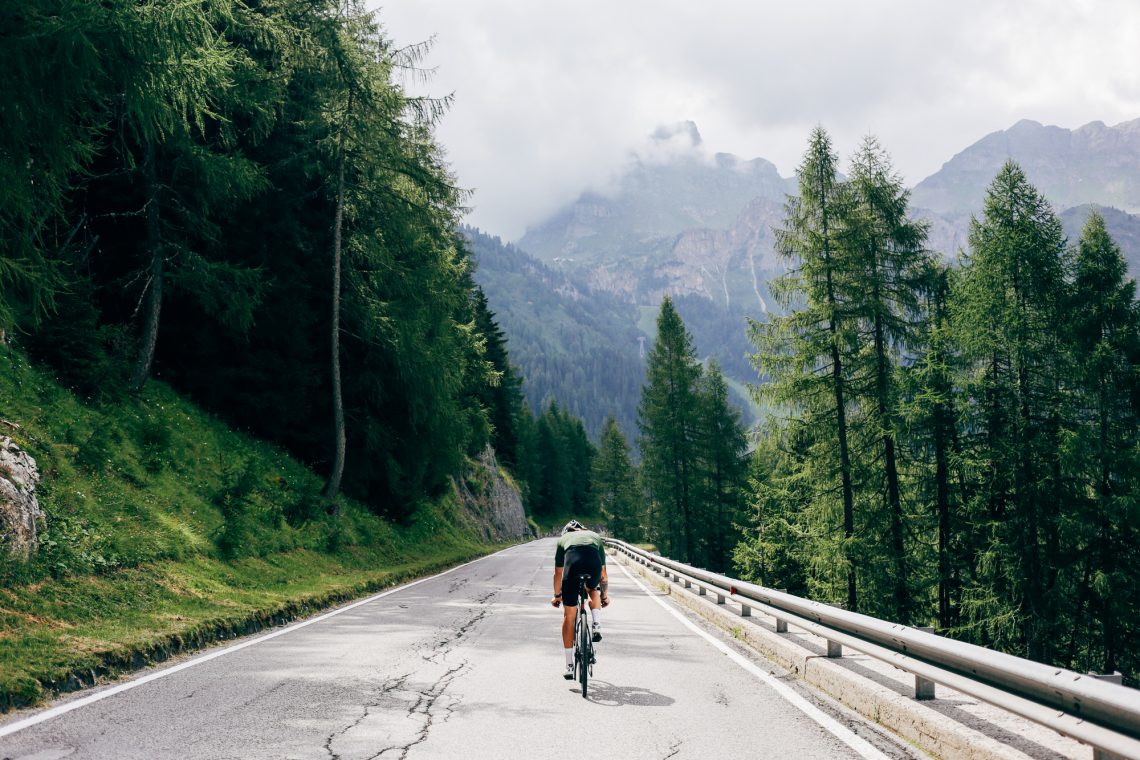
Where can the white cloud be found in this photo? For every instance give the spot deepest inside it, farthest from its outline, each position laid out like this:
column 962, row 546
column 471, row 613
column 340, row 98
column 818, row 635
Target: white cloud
column 551, row 97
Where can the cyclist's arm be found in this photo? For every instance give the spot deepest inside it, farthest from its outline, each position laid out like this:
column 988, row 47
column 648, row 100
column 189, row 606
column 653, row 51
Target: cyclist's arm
column 604, row 583
column 557, row 586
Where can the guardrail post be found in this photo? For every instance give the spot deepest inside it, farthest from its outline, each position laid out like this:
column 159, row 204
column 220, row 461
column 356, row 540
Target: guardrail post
column 781, row 625
column 834, row 649
column 745, row 610
column 688, row 584
column 719, row 598
column 702, row 590
column 923, row 687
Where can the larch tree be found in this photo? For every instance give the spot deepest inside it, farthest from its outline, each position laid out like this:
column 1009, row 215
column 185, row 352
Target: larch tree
column 801, row 357
column 722, row 448
column 885, row 252
column 930, row 408
column 1009, row 322
column 1106, row 341
column 615, row 483
column 667, row 419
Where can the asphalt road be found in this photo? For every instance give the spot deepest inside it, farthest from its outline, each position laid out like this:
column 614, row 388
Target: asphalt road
column 467, row 664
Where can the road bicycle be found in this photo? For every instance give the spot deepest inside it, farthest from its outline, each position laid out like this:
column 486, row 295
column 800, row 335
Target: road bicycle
column 583, row 638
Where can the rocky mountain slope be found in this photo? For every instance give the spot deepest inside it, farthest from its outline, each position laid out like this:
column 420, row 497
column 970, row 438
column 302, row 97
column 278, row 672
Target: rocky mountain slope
column 663, row 194
column 1092, row 164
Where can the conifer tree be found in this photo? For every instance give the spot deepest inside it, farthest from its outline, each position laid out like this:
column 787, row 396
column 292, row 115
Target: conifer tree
column 502, row 397
column 615, row 484
column 802, row 355
column 885, row 253
column 1009, row 319
column 1106, row 341
column 722, row 456
column 667, row 418
column 930, row 407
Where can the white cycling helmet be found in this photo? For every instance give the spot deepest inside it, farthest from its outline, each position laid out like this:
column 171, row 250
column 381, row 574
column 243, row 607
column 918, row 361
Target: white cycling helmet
column 572, row 525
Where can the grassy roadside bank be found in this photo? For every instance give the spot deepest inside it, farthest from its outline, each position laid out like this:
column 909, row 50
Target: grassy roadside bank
column 68, row 634
column 165, row 530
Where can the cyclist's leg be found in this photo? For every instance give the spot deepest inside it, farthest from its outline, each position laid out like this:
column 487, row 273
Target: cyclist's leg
column 568, row 626
column 569, row 610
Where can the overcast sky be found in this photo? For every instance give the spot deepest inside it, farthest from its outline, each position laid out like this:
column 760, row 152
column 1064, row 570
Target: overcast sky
column 552, row 96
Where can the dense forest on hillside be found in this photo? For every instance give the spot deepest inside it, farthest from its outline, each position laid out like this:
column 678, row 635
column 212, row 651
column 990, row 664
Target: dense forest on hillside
column 243, row 200
column 955, row 445
column 572, row 344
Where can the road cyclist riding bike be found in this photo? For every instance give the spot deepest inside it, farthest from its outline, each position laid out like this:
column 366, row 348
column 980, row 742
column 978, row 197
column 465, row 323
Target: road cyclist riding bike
column 580, row 552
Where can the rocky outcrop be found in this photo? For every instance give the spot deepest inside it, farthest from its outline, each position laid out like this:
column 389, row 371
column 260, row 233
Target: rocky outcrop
column 494, row 503
column 19, row 511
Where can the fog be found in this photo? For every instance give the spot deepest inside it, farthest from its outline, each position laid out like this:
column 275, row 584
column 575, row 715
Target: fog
column 554, row 97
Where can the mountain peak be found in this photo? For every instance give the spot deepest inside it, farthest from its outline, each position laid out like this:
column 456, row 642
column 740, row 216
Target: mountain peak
column 669, row 132
column 1026, row 125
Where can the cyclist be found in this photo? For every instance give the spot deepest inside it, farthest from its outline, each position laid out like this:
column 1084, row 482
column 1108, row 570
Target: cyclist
column 580, row 551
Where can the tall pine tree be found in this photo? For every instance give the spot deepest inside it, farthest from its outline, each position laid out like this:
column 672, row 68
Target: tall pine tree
column 884, row 252
column 1009, row 320
column 667, row 418
column 722, row 458
column 615, row 484
column 801, row 356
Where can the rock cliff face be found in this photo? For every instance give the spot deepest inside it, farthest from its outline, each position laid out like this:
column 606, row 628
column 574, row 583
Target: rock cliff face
column 494, row 504
column 19, row 510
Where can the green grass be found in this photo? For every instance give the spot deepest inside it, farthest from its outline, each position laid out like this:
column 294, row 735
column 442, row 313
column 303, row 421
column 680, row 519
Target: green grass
column 165, row 530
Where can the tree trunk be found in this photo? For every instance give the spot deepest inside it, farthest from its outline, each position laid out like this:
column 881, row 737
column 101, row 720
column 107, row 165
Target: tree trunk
column 942, row 489
column 332, row 487
column 148, row 338
column 841, row 429
column 894, row 499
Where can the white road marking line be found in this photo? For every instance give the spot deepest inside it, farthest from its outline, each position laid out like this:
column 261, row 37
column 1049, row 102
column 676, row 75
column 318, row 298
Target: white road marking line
column 54, row 712
column 841, row 732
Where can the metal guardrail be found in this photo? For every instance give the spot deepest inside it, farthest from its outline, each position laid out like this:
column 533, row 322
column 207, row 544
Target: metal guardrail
column 1101, row 714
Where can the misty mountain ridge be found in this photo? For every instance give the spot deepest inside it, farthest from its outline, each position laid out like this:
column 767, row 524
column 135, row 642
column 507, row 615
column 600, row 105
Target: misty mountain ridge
column 1092, row 164
column 671, row 186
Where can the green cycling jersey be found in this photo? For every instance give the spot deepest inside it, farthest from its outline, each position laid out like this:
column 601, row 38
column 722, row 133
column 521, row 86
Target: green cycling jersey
column 578, row 538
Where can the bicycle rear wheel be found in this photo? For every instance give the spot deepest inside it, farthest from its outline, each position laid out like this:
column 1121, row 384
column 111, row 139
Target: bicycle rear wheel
column 582, row 644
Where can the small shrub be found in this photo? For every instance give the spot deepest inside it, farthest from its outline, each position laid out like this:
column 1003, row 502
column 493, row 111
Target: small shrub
column 154, row 441
column 235, row 537
column 98, row 452
column 337, row 537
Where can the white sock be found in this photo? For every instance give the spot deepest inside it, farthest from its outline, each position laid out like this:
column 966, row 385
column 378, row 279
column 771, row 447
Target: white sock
column 594, row 614
column 569, row 655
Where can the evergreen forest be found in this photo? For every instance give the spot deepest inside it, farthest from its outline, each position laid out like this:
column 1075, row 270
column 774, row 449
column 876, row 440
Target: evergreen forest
column 956, row 445
column 242, row 200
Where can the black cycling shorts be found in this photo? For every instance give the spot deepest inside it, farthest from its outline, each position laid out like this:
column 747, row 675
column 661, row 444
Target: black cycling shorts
column 579, row 560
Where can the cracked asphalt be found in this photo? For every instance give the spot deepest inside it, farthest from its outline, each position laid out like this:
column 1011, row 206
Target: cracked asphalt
column 466, row 665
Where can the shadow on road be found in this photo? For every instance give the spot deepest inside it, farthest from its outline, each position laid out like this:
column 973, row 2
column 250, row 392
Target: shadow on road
column 610, row 695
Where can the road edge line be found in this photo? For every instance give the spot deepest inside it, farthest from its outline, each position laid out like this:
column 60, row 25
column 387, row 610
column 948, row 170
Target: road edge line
column 857, row 743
